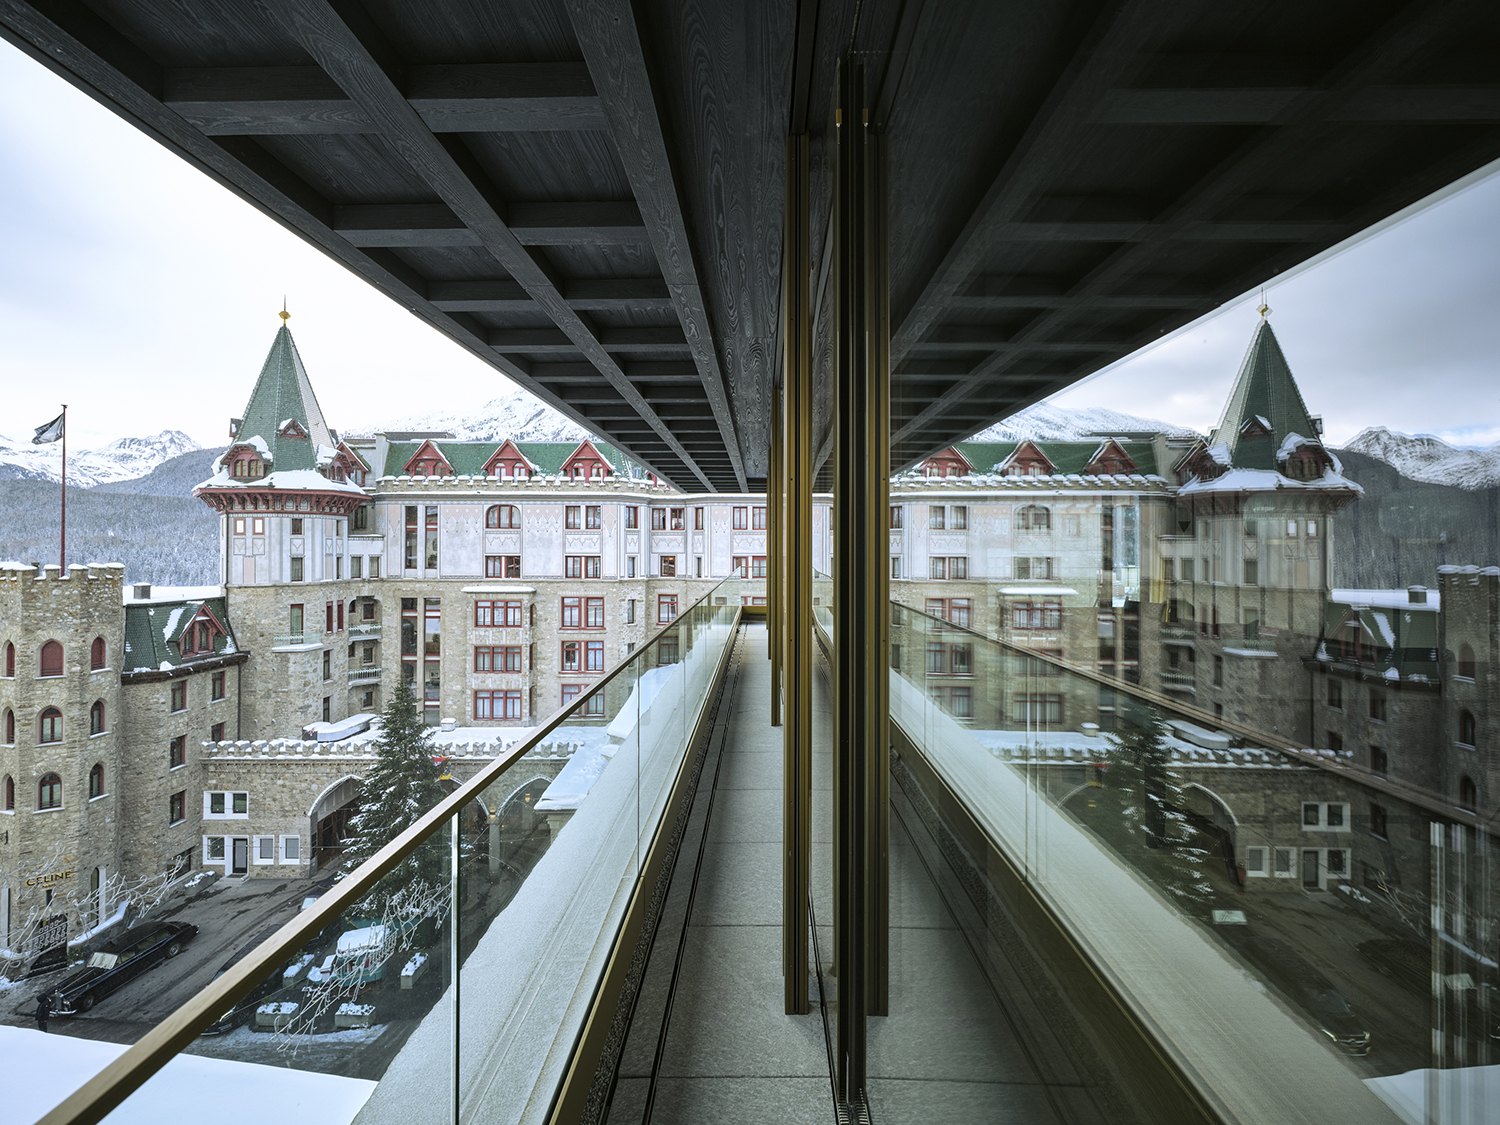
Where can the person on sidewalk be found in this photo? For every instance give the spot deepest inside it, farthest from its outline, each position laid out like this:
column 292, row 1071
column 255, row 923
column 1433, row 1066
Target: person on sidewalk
column 43, row 1010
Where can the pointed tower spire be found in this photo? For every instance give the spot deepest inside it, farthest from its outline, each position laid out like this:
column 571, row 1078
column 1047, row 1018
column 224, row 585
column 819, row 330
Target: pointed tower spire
column 283, row 411
column 1264, row 406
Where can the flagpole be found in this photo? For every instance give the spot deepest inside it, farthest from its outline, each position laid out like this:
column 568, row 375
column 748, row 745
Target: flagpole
column 63, row 546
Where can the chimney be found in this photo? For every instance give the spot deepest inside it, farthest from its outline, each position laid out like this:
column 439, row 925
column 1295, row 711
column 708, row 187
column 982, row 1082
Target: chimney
column 142, row 591
column 1416, row 595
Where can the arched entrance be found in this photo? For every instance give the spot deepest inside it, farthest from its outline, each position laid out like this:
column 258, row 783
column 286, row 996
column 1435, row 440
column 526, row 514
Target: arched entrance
column 328, row 820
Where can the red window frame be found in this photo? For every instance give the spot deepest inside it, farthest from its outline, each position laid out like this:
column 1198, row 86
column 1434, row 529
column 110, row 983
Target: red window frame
column 758, row 519
column 632, row 517
column 593, row 656
column 668, row 566
column 758, row 566
column 216, row 686
column 502, row 516
column 658, row 519
column 593, row 517
column 177, row 752
column 593, row 613
column 666, row 608
column 741, row 520
column 50, row 725
column 97, row 654
column 51, row 660
column 570, row 692
column 573, row 517
column 96, row 718
column 679, row 519
column 571, row 657
column 594, row 705
column 571, row 614
column 178, row 696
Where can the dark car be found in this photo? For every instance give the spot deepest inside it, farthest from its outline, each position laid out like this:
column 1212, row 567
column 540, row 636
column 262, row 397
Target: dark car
column 1280, row 966
column 118, row 962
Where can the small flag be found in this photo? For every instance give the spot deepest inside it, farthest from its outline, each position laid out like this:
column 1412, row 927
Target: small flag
column 52, row 431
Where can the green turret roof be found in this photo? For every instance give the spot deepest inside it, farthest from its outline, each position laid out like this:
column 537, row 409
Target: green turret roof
column 1266, row 401
column 283, row 393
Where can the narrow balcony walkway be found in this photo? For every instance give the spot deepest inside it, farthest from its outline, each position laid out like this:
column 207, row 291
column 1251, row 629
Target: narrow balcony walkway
column 710, row 1041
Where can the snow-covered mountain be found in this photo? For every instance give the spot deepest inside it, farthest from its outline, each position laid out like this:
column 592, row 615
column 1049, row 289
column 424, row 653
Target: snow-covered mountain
column 1046, row 422
column 517, row 416
column 1430, row 459
column 124, row 459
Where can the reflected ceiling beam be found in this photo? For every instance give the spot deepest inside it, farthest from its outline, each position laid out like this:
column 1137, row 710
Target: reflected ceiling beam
column 610, row 40
column 1386, row 47
column 483, row 98
column 368, row 69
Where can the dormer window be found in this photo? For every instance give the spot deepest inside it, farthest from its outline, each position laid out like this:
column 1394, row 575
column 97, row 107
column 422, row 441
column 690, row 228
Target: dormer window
column 1255, row 427
column 291, row 428
column 247, row 466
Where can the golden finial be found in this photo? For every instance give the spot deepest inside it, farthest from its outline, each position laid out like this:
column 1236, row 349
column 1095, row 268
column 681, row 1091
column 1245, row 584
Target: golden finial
column 1263, row 308
column 285, row 316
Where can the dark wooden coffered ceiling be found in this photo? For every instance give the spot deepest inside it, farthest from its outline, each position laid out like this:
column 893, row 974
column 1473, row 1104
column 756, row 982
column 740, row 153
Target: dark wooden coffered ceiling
column 588, row 193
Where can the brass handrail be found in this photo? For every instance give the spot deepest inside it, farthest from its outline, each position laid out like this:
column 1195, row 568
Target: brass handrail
column 93, row 1100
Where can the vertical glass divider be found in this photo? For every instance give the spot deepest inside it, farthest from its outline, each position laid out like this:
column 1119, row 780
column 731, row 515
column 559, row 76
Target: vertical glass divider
column 455, row 923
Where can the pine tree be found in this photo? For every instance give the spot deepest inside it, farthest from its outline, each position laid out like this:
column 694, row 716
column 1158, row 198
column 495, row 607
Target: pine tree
column 398, row 790
column 1158, row 839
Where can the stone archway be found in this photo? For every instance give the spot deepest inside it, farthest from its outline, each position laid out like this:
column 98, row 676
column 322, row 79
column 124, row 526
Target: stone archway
column 328, row 820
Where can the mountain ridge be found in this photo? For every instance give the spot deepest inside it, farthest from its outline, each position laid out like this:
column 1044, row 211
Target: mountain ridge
column 126, row 458
column 1430, row 459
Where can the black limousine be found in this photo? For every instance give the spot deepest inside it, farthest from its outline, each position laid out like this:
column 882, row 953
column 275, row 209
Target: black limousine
column 118, row 962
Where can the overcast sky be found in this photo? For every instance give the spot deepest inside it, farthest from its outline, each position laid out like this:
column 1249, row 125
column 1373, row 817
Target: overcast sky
column 144, row 295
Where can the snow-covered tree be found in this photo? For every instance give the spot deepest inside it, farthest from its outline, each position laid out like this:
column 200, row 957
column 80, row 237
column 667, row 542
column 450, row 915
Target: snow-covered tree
column 1154, row 831
column 400, row 787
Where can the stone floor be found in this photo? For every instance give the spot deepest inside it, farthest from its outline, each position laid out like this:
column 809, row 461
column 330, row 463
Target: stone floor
column 948, row 1052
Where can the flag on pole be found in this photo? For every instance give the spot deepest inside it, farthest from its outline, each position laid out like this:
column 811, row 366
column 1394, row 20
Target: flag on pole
column 52, row 431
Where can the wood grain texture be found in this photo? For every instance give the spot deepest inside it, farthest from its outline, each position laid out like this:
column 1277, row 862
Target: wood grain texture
column 353, row 61
column 610, row 40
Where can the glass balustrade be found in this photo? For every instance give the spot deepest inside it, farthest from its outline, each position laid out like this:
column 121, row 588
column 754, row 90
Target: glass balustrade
column 448, row 979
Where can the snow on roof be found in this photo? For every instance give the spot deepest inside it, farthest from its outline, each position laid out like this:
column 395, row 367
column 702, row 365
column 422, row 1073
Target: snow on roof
column 160, row 594
column 1219, row 454
column 1268, row 480
column 355, row 941
column 172, row 618
column 1292, row 443
column 1392, row 599
column 241, row 1093
column 302, row 480
column 326, row 454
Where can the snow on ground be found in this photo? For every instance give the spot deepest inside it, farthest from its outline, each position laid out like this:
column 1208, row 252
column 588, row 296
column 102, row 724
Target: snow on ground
column 239, row 1093
column 1465, row 1094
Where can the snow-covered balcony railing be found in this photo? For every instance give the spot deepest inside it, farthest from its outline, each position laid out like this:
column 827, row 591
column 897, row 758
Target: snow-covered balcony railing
column 365, row 630
column 1204, row 877
column 515, row 891
column 363, row 675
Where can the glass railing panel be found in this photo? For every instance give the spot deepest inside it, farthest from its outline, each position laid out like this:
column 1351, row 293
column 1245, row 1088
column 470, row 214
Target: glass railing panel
column 541, row 855
column 1295, row 930
column 320, row 1020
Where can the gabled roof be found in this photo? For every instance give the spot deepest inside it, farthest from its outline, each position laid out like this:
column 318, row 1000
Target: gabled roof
column 469, row 458
column 152, row 632
column 1266, row 402
column 952, row 453
column 507, row 451
column 427, row 447
column 1109, row 447
column 1066, row 457
column 284, row 394
column 354, row 455
column 586, row 449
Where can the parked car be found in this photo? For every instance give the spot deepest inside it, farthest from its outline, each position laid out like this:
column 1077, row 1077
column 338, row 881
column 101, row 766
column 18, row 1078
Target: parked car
column 1308, row 989
column 118, row 962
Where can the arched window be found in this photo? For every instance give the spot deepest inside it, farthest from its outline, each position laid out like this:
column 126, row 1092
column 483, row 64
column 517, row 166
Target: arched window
column 96, row 717
column 97, row 655
column 1468, row 795
column 1466, row 661
column 1034, row 517
column 49, row 792
column 10, row 661
column 96, row 780
column 52, row 659
column 10, row 793
column 502, row 515
column 49, row 729
column 1467, row 729
column 10, row 727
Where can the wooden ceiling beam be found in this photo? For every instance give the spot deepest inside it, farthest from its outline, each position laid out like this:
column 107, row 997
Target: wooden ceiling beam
column 481, row 98
column 503, row 295
column 367, row 68
column 1257, row 106
column 532, row 224
column 611, row 43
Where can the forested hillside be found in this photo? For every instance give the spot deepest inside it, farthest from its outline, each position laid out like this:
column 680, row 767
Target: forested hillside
column 166, row 540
